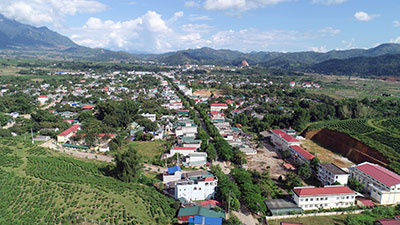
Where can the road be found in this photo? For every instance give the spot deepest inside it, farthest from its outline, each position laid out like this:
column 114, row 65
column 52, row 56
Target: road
column 51, row 104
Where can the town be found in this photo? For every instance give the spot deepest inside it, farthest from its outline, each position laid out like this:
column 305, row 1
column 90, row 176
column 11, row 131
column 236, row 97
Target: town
column 228, row 149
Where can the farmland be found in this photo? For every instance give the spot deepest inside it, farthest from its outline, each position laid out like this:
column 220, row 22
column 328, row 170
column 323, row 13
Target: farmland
column 381, row 134
column 38, row 186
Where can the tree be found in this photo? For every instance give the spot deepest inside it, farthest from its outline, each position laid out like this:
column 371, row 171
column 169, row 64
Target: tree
column 356, row 185
column 315, row 163
column 304, row 171
column 292, row 180
column 211, row 153
column 128, row 165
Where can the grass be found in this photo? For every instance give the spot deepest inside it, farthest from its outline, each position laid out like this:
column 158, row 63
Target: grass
column 149, row 150
column 313, row 220
column 45, row 187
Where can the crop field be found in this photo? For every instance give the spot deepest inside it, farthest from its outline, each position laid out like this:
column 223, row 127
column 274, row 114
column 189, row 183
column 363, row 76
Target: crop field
column 340, row 87
column 38, row 186
column 313, row 220
column 381, row 134
column 149, row 150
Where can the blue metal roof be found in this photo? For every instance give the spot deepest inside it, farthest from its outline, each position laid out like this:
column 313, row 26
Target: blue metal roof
column 173, row 169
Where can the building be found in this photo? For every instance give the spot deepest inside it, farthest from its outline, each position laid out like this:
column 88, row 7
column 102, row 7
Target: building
column 217, row 107
column 282, row 206
column 151, row 117
column 67, row 134
column 185, row 213
column 309, row 198
column 173, row 174
column 196, row 159
column 329, row 173
column 393, row 221
column 282, row 140
column 197, row 188
column 185, row 151
column 43, row 99
column 300, row 154
column 380, row 183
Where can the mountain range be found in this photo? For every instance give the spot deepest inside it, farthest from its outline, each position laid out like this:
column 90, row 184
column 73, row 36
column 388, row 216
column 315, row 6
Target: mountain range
column 22, row 40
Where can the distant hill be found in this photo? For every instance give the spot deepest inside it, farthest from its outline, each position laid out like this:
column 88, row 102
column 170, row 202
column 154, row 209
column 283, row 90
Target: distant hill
column 384, row 65
column 22, row 40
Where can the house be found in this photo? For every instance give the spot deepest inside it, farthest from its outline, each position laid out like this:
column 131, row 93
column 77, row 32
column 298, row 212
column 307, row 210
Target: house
column 151, row 117
column 292, row 84
column 88, row 107
column 188, row 130
column 173, row 174
column 190, row 142
column 183, row 112
column 185, row 213
column 327, row 197
column 204, row 220
column 300, row 154
column 217, row 107
column 67, row 134
column 185, row 151
column 196, row 159
column 329, row 173
column 282, row 140
column 380, row 183
column 196, row 188
column 43, row 99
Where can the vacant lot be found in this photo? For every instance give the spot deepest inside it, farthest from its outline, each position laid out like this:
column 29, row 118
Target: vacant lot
column 314, row 220
column 148, row 150
column 326, row 155
column 208, row 92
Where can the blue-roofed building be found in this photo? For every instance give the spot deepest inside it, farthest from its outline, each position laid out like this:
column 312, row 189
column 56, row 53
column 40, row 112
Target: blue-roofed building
column 173, row 169
column 204, row 220
column 173, row 174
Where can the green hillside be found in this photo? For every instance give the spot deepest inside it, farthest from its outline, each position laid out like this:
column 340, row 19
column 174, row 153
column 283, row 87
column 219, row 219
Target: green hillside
column 378, row 133
column 38, row 186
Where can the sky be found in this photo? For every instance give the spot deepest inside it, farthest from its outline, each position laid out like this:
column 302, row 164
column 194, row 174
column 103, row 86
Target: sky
column 158, row 26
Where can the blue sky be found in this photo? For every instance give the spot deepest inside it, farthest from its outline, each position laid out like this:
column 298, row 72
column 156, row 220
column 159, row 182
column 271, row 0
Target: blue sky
column 158, row 26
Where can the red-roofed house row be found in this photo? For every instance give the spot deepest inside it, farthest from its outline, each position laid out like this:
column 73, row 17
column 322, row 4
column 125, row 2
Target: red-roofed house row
column 66, row 134
column 282, row 140
column 300, row 154
column 217, row 107
column 380, row 183
column 309, row 198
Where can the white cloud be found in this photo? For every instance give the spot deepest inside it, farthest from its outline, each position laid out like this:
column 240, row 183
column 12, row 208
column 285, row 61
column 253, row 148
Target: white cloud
column 363, row 16
column 396, row 40
column 192, row 4
column 176, row 16
column 320, row 49
column 329, row 2
column 348, row 44
column 52, row 12
column 239, row 5
column 329, row 31
column 196, row 28
column 396, row 23
column 198, row 17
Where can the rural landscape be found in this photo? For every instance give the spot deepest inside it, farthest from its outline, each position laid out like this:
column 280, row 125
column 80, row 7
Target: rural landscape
column 116, row 122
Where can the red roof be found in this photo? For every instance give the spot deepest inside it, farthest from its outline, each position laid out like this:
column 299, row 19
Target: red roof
column 388, row 221
column 210, row 202
column 284, row 135
column 72, row 129
column 43, row 96
column 88, row 107
column 209, row 179
column 379, row 173
column 302, row 151
column 219, row 104
column 214, row 113
column 229, row 102
column 111, row 135
column 334, row 190
column 184, row 148
column 69, row 120
column 366, row 202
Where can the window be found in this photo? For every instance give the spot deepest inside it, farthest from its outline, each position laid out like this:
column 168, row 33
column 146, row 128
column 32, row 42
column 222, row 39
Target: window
column 306, row 199
column 326, row 198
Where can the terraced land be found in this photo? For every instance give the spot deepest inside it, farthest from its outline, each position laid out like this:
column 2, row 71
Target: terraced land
column 38, row 186
column 382, row 134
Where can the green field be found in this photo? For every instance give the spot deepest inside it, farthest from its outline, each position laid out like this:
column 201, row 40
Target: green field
column 314, row 220
column 149, row 150
column 378, row 133
column 38, row 186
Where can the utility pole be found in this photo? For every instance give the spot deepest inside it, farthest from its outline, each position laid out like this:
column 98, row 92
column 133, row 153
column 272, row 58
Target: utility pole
column 32, row 136
column 229, row 203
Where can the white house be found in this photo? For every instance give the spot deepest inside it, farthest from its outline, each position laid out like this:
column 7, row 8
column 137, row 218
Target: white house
column 202, row 188
column 67, row 134
column 151, row 117
column 282, row 140
column 381, row 184
column 185, row 151
column 196, row 159
column 190, row 131
column 173, row 174
column 43, row 99
column 329, row 173
column 327, row 197
column 217, row 107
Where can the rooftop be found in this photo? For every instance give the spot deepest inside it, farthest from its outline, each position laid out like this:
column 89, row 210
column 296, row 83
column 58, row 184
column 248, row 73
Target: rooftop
column 379, row 173
column 72, row 129
column 273, row 204
column 328, row 190
column 302, row 152
column 333, row 168
column 284, row 135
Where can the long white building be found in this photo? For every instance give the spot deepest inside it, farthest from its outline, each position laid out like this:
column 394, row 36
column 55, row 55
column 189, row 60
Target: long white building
column 329, row 173
column 309, row 198
column 380, row 183
column 282, row 140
